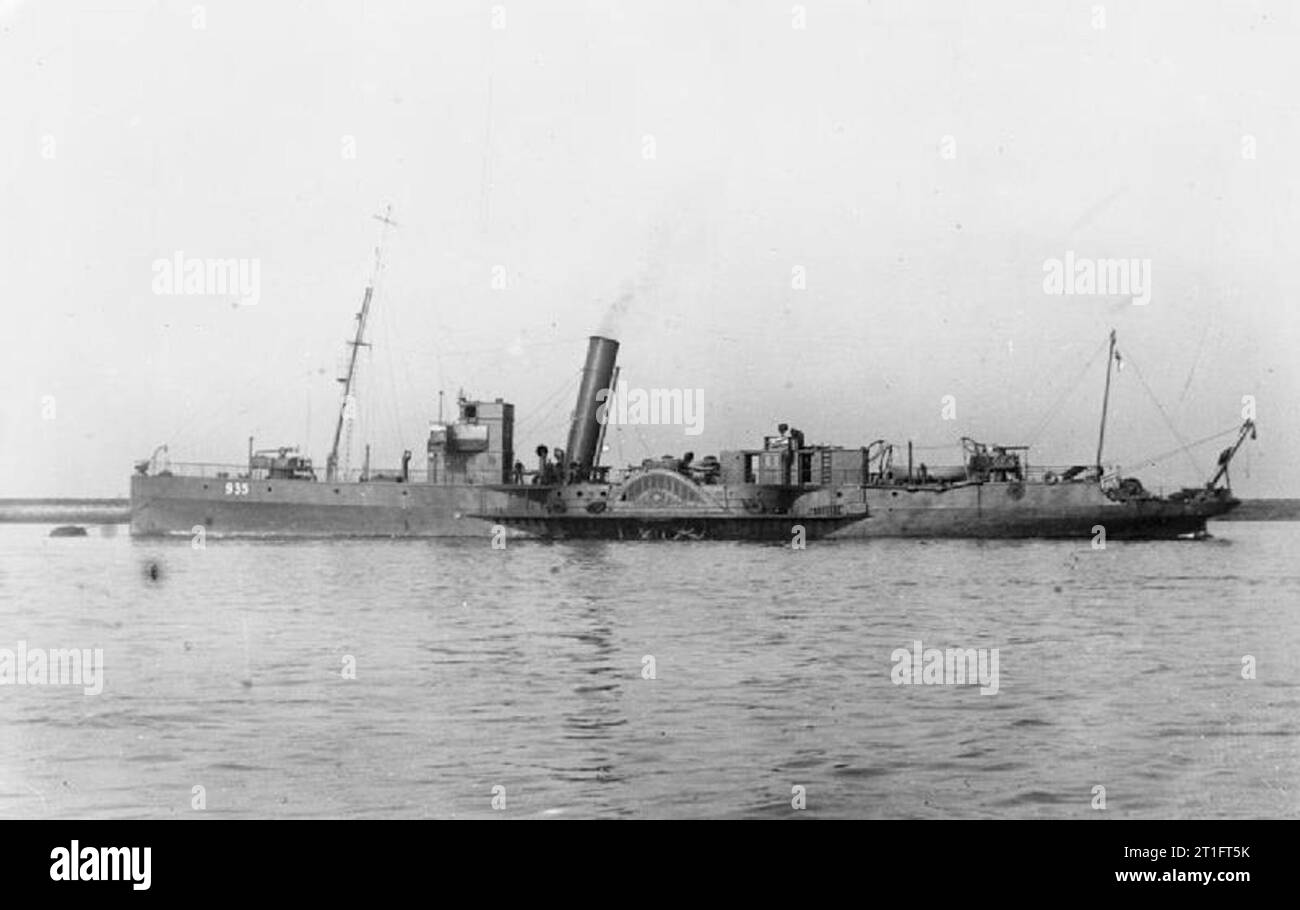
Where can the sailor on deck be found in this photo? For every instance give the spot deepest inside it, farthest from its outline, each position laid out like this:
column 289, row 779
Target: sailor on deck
column 782, row 439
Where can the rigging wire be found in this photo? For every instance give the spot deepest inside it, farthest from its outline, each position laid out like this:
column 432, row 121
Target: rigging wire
column 201, row 421
column 1050, row 413
column 1196, row 361
column 388, row 325
column 497, row 348
column 545, row 410
column 1055, row 407
column 1165, row 416
column 544, row 422
column 1172, row 452
column 645, row 445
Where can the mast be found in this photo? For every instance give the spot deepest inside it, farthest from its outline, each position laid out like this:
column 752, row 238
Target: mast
column 357, row 343
column 1105, row 401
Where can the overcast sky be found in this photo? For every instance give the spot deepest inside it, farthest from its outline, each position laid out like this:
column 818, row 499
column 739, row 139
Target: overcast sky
column 833, row 214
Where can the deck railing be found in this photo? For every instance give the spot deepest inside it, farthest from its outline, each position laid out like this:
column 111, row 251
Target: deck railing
column 223, row 471
column 198, row 469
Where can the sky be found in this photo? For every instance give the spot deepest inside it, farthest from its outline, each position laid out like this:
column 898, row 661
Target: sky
column 837, row 215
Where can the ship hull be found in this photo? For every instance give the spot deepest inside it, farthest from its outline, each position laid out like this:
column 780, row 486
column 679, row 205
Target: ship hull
column 181, row 506
column 1010, row 510
column 175, row 506
column 1018, row 510
column 954, row 525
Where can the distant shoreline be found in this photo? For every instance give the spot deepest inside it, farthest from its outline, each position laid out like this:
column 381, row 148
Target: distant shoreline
column 65, row 511
column 118, row 511
column 1265, row 510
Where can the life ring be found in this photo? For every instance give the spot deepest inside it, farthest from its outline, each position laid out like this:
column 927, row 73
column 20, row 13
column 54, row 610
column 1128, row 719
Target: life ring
column 1050, row 478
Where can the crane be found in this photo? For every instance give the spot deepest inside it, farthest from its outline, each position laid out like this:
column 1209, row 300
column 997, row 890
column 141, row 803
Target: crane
column 1226, row 456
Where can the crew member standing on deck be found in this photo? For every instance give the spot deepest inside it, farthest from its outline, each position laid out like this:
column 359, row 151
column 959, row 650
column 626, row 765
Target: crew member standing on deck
column 782, row 438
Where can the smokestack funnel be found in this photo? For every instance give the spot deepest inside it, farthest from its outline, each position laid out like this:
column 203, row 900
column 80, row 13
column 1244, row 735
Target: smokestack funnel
column 584, row 432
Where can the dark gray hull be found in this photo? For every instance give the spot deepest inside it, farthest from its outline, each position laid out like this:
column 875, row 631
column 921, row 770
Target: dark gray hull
column 181, row 506
column 976, row 510
column 163, row 506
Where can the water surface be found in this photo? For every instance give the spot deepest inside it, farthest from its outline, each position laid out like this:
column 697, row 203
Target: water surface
column 524, row 669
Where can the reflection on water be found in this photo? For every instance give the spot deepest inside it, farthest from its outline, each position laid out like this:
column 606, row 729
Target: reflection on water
column 354, row 678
